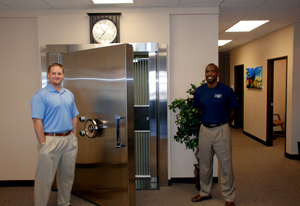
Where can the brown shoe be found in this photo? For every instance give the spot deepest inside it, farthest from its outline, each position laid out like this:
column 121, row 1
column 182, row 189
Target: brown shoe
column 229, row 204
column 200, row 198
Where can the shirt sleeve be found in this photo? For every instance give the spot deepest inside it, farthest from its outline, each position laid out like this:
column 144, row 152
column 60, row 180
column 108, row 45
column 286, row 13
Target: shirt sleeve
column 37, row 107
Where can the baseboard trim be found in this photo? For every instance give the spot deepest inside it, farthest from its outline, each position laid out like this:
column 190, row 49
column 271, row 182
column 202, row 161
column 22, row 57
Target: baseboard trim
column 289, row 156
column 17, row 183
column 292, row 157
column 187, row 180
column 255, row 138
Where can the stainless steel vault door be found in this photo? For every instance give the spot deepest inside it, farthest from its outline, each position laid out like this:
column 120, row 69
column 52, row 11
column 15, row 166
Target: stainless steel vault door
column 102, row 82
column 157, row 103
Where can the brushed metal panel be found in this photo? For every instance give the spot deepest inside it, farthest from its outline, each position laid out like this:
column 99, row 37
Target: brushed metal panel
column 163, row 115
column 102, row 83
column 153, row 89
column 130, row 125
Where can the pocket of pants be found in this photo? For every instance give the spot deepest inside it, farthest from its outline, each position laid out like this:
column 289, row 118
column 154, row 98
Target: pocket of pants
column 44, row 145
column 74, row 140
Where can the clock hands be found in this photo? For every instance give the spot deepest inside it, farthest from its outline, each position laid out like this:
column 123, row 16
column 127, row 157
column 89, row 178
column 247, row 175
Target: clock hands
column 104, row 31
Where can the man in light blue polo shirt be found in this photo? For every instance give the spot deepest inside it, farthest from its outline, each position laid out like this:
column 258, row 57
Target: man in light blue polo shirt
column 54, row 118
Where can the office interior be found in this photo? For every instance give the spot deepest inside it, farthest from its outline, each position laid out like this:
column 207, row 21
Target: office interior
column 191, row 34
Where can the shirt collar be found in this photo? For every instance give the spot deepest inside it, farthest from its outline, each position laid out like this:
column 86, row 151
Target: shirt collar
column 51, row 89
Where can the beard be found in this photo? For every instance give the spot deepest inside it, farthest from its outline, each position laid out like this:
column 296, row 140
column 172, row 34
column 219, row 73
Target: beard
column 211, row 81
column 56, row 82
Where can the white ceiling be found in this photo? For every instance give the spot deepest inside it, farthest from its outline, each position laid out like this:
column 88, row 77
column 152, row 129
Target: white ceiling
column 281, row 13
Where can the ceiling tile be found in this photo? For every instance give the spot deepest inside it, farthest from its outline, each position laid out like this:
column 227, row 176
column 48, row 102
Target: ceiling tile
column 68, row 2
column 200, row 3
column 2, row 7
column 22, row 2
column 157, row 3
column 236, row 11
column 244, row 1
column 230, row 36
column 291, row 16
column 271, row 10
column 33, row 7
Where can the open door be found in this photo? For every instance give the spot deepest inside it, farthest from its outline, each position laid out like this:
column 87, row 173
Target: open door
column 239, row 92
column 101, row 80
column 270, row 99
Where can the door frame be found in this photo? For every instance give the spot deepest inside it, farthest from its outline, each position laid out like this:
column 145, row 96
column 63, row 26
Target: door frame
column 52, row 53
column 237, row 87
column 270, row 97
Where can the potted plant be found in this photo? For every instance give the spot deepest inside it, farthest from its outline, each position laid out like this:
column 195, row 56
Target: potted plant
column 188, row 125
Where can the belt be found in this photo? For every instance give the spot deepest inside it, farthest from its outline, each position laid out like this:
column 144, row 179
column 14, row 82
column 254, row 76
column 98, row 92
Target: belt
column 58, row 134
column 213, row 125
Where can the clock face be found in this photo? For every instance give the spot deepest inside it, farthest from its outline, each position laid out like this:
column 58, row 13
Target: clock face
column 104, row 31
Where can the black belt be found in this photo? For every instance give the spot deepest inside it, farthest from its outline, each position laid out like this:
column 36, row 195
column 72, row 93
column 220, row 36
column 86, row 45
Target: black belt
column 58, row 134
column 213, row 125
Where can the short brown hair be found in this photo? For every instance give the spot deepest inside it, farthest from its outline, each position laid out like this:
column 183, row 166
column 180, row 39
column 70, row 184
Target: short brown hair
column 56, row 64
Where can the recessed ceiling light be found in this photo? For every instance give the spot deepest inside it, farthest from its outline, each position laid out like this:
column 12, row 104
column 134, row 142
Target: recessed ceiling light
column 223, row 42
column 113, row 1
column 246, row 26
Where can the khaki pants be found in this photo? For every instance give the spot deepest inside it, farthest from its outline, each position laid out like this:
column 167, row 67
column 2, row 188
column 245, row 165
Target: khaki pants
column 58, row 154
column 216, row 140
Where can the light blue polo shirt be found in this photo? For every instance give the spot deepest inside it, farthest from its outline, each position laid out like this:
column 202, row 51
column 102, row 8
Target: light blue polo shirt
column 55, row 108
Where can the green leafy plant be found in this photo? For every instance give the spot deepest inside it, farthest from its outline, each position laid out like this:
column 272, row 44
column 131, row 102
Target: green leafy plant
column 187, row 120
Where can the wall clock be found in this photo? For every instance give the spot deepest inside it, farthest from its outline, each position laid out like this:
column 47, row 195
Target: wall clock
column 104, row 27
column 104, row 31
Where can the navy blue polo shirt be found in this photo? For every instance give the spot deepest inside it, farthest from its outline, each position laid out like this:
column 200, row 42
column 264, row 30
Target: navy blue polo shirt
column 56, row 109
column 215, row 103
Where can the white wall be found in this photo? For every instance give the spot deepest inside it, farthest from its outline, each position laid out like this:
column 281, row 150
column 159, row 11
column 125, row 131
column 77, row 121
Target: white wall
column 193, row 47
column 63, row 29
column 18, row 152
column 256, row 53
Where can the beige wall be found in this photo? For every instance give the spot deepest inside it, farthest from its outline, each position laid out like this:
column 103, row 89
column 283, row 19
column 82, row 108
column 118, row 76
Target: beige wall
column 256, row 53
column 295, row 113
column 19, row 80
column 23, row 32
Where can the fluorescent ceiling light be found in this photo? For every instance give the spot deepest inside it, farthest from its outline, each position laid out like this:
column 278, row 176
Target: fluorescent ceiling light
column 246, row 26
column 223, row 42
column 112, row 1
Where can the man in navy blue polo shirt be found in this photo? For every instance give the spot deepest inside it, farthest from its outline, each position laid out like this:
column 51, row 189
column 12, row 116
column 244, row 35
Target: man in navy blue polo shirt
column 54, row 118
column 217, row 103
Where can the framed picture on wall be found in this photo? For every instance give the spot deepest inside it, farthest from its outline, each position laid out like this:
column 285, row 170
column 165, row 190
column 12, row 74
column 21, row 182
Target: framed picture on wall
column 253, row 77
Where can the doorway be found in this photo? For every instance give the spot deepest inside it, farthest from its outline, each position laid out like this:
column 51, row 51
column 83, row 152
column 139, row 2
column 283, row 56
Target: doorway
column 151, row 159
column 145, row 113
column 276, row 94
column 239, row 92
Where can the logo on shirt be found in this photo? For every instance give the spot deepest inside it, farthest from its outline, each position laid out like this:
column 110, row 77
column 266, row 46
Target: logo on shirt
column 219, row 96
